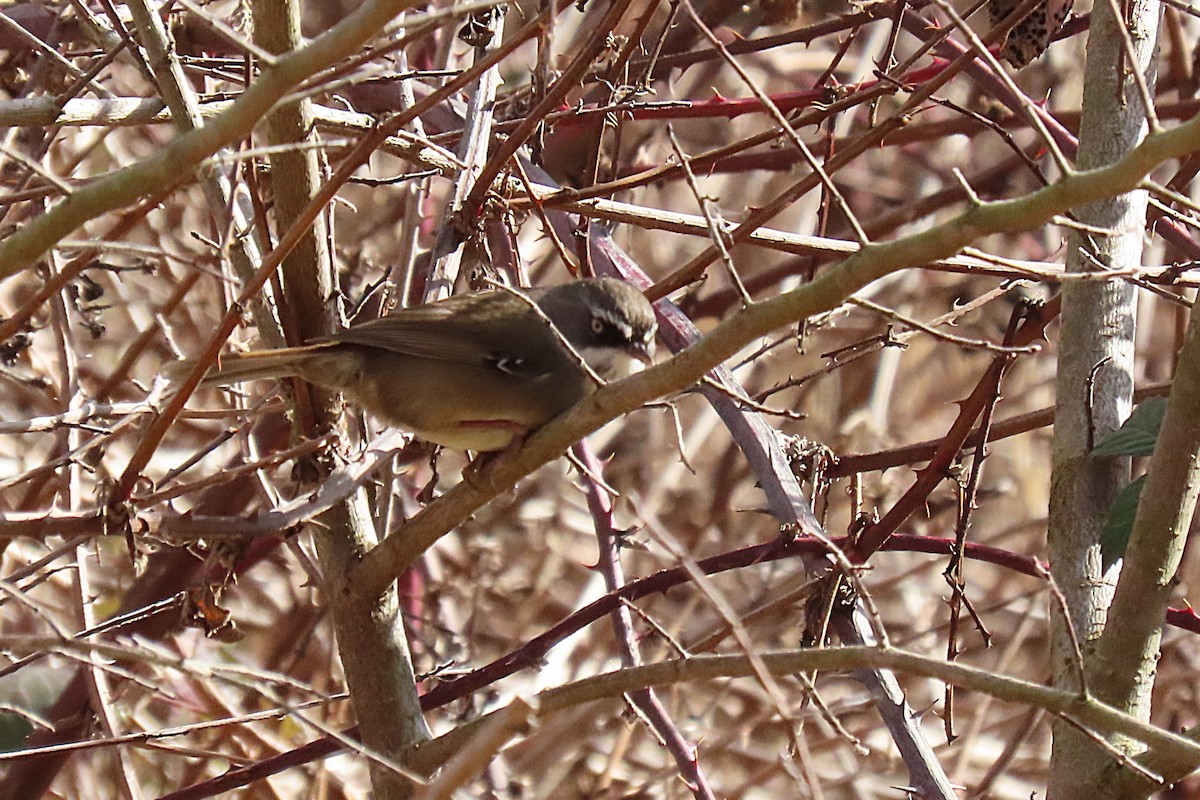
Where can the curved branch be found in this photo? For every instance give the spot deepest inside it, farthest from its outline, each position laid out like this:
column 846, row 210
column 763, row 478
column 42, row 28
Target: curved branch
column 412, row 537
column 173, row 164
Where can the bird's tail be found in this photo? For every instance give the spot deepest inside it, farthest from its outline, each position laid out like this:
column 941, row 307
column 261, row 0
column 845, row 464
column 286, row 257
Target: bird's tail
column 262, row 365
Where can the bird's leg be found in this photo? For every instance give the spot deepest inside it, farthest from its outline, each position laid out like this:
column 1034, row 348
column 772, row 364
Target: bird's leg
column 425, row 496
column 478, row 472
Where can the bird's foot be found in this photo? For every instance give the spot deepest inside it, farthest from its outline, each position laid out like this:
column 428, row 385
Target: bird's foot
column 479, row 474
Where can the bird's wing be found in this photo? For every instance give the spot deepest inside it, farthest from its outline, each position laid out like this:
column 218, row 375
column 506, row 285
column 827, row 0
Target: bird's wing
column 463, row 329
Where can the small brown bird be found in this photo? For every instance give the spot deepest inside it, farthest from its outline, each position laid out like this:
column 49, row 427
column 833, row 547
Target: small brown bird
column 474, row 371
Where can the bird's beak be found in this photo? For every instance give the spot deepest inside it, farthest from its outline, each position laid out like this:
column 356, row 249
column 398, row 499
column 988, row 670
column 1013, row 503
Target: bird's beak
column 643, row 353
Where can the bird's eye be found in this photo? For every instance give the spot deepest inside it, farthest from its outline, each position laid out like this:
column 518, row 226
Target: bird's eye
column 597, row 326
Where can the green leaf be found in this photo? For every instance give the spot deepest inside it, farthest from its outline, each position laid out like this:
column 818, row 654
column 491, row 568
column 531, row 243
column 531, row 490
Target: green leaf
column 1114, row 537
column 1139, row 433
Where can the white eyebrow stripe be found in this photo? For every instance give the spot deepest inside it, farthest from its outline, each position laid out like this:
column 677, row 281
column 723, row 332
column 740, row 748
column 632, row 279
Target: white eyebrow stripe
column 619, row 323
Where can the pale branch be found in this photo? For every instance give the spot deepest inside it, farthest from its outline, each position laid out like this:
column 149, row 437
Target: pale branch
column 1177, row 754
column 412, row 537
column 172, row 165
